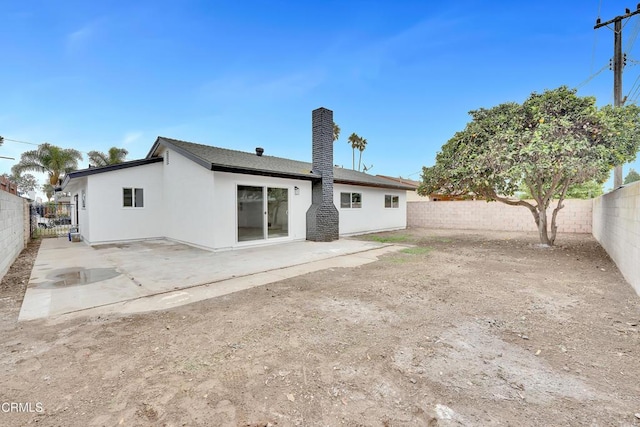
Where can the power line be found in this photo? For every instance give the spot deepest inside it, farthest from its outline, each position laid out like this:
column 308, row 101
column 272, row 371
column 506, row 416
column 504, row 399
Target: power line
column 632, row 96
column 21, row 142
column 595, row 41
column 618, row 64
column 633, row 37
column 592, row 76
column 28, row 143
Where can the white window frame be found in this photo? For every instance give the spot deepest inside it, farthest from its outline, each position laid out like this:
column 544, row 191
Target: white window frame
column 352, row 204
column 393, row 201
column 134, row 199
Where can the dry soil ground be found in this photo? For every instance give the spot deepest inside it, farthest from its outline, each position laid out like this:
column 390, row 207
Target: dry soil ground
column 463, row 329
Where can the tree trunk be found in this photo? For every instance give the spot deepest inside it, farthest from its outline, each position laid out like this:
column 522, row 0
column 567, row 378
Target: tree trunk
column 538, row 211
column 554, row 227
column 542, row 226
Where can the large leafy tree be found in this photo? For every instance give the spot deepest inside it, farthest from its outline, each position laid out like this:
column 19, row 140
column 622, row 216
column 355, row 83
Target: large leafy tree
column 336, row 132
column 25, row 182
column 49, row 159
column 550, row 142
column 586, row 190
column 632, row 176
column 114, row 156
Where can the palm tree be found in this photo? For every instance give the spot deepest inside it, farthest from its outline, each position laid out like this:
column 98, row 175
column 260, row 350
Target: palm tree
column 336, row 132
column 49, row 159
column 112, row 157
column 354, row 140
column 48, row 190
column 361, row 146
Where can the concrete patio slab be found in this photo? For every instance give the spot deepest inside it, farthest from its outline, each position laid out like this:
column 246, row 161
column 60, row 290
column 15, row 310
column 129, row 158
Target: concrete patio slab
column 73, row 279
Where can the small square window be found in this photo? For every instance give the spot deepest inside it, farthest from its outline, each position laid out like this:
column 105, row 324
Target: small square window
column 133, row 197
column 391, row 201
column 350, row 200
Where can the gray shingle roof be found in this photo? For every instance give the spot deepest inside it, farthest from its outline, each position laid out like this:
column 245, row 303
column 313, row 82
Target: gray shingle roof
column 101, row 169
column 222, row 159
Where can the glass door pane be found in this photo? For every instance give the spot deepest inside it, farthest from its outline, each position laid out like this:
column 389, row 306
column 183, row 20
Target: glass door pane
column 250, row 213
column 278, row 212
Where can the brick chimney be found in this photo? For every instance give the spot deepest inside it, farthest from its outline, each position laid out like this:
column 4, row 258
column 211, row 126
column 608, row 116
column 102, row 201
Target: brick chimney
column 322, row 216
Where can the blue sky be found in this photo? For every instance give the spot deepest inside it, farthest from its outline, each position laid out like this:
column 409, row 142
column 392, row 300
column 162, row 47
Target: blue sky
column 403, row 74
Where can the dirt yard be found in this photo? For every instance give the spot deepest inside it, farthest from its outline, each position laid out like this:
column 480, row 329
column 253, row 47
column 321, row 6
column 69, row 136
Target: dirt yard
column 467, row 328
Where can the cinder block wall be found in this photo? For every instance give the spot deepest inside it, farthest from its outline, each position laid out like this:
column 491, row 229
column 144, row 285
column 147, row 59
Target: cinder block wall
column 616, row 226
column 12, row 229
column 575, row 217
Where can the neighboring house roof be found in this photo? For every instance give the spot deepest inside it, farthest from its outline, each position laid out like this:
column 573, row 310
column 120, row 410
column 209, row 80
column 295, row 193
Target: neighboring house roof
column 225, row 160
column 8, row 185
column 101, row 169
column 413, row 184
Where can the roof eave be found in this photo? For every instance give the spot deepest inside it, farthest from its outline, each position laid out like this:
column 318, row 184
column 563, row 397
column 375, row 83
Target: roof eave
column 109, row 168
column 372, row 184
column 264, row 172
column 188, row 154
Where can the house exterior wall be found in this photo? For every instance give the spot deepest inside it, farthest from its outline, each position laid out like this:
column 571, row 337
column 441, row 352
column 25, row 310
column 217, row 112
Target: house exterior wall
column 190, row 208
column 226, row 223
column 80, row 187
column 616, row 225
column 575, row 217
column 372, row 216
column 12, row 229
column 84, row 220
column 413, row 196
column 109, row 220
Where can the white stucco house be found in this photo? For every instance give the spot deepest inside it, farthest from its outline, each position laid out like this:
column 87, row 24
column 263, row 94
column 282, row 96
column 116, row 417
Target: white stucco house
column 218, row 199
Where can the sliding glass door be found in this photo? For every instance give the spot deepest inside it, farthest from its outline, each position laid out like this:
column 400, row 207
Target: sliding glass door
column 263, row 212
column 278, row 212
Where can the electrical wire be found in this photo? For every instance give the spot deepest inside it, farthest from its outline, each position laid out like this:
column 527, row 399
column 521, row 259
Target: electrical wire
column 595, row 42
column 634, row 91
column 634, row 36
column 21, row 142
column 592, row 76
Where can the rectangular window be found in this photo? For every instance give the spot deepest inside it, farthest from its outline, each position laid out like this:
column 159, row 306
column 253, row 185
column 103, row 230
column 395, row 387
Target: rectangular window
column 391, row 201
column 350, row 200
column 345, row 200
column 133, row 197
column 356, row 200
column 127, row 199
column 138, row 198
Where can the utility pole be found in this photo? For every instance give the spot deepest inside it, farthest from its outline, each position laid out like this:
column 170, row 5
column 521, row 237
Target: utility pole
column 618, row 65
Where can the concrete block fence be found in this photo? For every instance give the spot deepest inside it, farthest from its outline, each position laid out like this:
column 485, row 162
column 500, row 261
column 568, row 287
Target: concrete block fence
column 14, row 229
column 616, row 225
column 575, row 217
